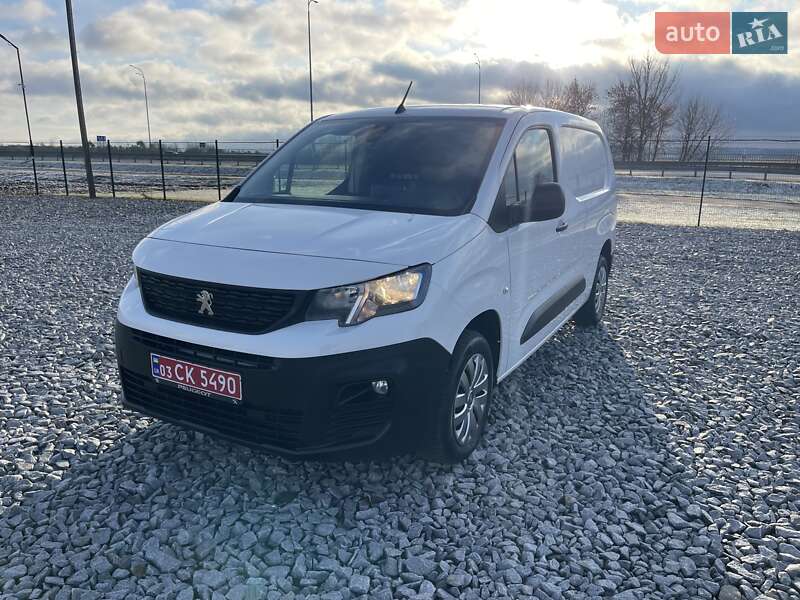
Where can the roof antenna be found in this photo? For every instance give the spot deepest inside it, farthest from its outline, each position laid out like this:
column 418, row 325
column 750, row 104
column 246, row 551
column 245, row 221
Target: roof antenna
column 401, row 109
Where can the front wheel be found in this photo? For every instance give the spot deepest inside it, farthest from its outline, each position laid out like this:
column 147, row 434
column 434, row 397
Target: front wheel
column 462, row 414
column 591, row 313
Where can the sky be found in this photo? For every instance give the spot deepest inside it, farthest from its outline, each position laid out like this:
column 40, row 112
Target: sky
column 237, row 69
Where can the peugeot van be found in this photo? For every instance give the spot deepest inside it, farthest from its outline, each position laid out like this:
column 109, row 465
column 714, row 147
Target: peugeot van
column 371, row 282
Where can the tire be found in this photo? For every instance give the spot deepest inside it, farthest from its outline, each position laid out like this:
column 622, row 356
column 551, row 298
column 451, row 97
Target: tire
column 591, row 313
column 454, row 438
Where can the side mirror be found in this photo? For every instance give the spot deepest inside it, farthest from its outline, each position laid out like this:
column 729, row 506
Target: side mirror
column 547, row 203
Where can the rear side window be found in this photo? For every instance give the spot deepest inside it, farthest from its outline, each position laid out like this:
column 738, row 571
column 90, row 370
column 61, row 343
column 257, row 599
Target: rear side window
column 584, row 162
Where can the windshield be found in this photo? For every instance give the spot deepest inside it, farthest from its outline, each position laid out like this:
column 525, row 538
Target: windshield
column 404, row 164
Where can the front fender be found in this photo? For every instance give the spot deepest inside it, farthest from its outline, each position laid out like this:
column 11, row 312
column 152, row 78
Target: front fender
column 476, row 279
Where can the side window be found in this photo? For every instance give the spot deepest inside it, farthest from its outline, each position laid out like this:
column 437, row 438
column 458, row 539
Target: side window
column 530, row 165
column 534, row 162
column 584, row 161
column 508, row 189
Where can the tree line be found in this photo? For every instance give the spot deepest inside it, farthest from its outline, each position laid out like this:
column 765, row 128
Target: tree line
column 642, row 109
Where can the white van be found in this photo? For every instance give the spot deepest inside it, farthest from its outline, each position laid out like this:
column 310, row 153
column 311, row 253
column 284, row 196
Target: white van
column 371, row 282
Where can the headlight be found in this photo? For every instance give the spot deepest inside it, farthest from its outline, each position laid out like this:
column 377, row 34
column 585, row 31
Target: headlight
column 359, row 302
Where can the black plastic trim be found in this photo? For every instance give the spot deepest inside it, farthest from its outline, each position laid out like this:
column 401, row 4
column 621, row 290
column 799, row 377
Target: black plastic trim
column 300, row 406
column 551, row 309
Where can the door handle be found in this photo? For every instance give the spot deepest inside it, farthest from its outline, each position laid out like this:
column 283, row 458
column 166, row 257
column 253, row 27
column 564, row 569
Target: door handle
column 561, row 226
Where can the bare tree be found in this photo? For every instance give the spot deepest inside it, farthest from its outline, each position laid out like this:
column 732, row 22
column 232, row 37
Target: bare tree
column 575, row 97
column 620, row 120
column 523, row 93
column 642, row 110
column 550, row 94
column 697, row 120
column 665, row 118
column 579, row 98
column 653, row 85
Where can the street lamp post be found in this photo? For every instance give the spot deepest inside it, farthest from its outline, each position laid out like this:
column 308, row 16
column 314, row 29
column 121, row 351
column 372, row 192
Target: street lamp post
column 478, row 62
column 310, row 78
column 146, row 104
column 27, row 118
column 76, row 77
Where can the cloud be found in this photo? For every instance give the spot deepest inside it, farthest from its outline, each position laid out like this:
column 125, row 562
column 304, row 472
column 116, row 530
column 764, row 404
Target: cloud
column 152, row 27
column 238, row 68
column 41, row 39
column 25, row 10
column 756, row 103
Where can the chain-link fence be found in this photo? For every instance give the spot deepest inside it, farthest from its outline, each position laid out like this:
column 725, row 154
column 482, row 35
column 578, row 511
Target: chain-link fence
column 731, row 182
column 727, row 182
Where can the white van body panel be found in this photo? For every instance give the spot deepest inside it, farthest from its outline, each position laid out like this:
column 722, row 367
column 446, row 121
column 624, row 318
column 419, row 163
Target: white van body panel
column 542, row 261
column 598, row 206
column 477, row 280
column 476, row 269
column 323, row 231
column 253, row 268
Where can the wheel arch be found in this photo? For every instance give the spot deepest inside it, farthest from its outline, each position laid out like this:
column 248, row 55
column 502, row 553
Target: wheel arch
column 608, row 252
column 489, row 326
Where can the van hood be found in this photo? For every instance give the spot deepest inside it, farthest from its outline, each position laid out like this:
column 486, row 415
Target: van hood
column 366, row 235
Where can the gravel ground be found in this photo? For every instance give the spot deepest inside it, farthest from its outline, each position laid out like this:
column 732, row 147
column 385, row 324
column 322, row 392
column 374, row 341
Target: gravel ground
column 656, row 457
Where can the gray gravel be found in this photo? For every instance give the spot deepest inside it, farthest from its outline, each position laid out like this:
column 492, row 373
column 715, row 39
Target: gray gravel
column 656, row 457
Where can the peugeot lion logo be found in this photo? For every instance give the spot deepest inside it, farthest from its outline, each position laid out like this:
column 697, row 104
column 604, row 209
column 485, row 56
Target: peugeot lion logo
column 205, row 298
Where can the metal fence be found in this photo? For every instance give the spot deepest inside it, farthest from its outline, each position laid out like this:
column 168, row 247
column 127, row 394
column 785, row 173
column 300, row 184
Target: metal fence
column 735, row 182
column 166, row 169
column 750, row 182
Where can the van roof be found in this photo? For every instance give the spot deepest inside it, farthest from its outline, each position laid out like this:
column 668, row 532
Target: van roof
column 455, row 110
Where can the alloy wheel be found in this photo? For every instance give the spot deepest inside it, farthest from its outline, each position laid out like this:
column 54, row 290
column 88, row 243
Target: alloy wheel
column 472, row 395
column 601, row 289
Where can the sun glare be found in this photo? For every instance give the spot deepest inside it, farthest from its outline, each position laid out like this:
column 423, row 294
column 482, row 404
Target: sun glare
column 559, row 33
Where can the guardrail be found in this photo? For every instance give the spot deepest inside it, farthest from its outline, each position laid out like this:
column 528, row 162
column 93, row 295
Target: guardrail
column 777, row 167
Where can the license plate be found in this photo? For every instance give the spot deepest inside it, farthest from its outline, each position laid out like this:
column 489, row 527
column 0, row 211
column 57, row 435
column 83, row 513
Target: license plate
column 197, row 378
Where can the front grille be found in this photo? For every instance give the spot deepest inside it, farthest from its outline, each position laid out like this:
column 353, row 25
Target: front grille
column 221, row 359
column 275, row 427
column 236, row 308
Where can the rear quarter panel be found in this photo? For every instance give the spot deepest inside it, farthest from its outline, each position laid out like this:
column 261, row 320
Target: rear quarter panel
column 598, row 210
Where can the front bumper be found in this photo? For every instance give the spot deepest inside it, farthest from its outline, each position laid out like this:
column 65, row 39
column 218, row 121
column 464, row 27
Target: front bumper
column 295, row 406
